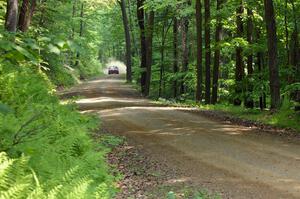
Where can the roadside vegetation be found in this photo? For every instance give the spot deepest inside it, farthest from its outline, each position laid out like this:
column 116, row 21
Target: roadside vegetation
column 285, row 117
column 47, row 149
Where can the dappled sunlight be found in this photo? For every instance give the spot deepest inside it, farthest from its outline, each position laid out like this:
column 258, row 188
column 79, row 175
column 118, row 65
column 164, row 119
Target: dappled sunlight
column 179, row 180
column 235, row 149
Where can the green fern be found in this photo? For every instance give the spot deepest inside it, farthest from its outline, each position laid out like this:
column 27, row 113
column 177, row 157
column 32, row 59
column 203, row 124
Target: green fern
column 48, row 149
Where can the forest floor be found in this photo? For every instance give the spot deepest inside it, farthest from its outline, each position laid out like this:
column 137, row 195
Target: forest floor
column 174, row 149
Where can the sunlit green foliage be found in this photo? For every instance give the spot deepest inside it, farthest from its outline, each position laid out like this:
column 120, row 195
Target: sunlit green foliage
column 55, row 139
column 46, row 148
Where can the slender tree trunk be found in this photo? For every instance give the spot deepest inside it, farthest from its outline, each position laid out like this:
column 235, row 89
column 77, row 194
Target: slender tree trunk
column 23, row 15
column 164, row 33
column 218, row 35
column 286, row 32
column 73, row 16
column 185, row 51
column 81, row 20
column 260, row 66
column 295, row 52
column 199, row 50
column 11, row 18
column 149, row 41
column 239, row 68
column 262, row 97
column 185, row 48
column 162, row 66
column 128, row 41
column 272, row 52
column 175, row 55
column 249, row 103
column 207, row 51
column 141, row 22
column 80, row 31
column 131, row 27
column 26, row 14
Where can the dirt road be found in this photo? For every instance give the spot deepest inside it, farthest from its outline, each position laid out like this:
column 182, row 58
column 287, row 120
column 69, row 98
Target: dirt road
column 235, row 161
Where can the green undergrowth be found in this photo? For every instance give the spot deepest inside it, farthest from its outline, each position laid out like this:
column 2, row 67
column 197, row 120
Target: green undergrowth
column 191, row 194
column 46, row 148
column 286, row 117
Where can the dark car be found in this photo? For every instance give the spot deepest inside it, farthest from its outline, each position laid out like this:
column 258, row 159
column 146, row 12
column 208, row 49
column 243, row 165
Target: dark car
column 113, row 70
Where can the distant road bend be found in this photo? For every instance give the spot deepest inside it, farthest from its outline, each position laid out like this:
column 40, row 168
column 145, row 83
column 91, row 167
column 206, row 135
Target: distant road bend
column 235, row 161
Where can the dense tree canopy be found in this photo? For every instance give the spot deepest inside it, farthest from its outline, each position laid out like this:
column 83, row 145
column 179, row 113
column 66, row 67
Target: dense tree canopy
column 250, row 50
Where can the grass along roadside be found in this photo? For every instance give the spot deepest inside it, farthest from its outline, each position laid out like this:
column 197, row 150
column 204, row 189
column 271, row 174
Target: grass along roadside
column 284, row 118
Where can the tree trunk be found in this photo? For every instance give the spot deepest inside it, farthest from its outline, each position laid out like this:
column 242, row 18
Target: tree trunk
column 141, row 22
column 11, row 18
column 295, row 51
column 239, row 66
column 272, row 52
column 185, row 48
column 165, row 30
column 249, row 103
column 218, row 35
column 262, row 96
column 260, row 66
column 175, row 56
column 185, row 51
column 81, row 20
column 131, row 27
column 149, row 41
column 128, row 41
column 162, row 59
column 286, row 32
column 207, row 51
column 23, row 15
column 26, row 14
column 199, row 50
column 80, row 31
column 73, row 16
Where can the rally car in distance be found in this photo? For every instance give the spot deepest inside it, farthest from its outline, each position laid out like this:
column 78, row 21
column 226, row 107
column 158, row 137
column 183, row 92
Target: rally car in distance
column 113, row 70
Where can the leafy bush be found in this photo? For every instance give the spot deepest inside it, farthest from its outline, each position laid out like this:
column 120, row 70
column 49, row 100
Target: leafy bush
column 47, row 146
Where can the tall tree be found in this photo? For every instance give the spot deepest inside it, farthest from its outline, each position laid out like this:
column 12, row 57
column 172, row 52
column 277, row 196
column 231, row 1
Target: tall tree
column 131, row 28
column 26, row 14
column 127, row 40
column 164, row 32
column 185, row 47
column 11, row 18
column 199, row 50
column 249, row 103
column 272, row 52
column 295, row 49
column 80, row 31
column 141, row 22
column 217, row 55
column 149, row 41
column 260, row 64
column 286, row 30
column 73, row 16
column 207, row 51
column 175, row 55
column 239, row 65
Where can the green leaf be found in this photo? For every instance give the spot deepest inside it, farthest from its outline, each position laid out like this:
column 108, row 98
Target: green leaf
column 53, row 49
column 24, row 52
column 4, row 109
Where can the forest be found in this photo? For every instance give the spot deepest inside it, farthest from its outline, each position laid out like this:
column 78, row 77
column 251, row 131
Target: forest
column 241, row 57
column 237, row 56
